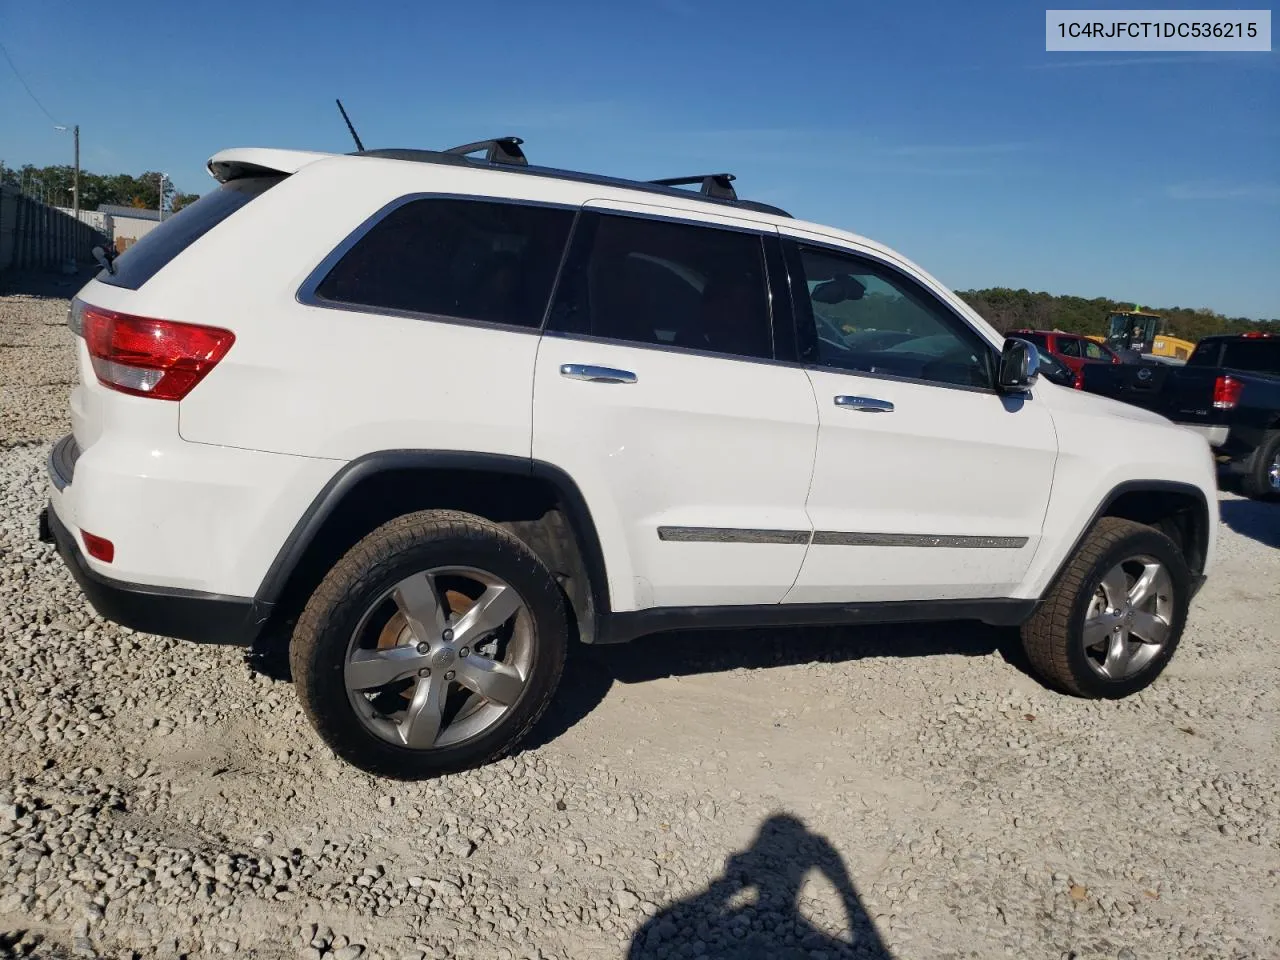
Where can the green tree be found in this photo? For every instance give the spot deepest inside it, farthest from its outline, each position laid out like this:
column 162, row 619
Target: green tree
column 55, row 182
column 1007, row 309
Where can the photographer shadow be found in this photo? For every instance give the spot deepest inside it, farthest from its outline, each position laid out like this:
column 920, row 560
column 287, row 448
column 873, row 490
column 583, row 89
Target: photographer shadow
column 724, row 921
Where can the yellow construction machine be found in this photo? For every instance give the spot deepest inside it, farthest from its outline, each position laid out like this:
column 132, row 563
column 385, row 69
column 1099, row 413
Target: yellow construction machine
column 1146, row 334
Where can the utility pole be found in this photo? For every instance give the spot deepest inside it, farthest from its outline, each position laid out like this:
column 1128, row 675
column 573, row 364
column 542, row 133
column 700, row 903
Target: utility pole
column 75, row 197
column 162, row 198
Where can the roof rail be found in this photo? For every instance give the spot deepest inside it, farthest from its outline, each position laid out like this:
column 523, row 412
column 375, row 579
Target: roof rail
column 506, row 152
column 498, row 150
column 718, row 185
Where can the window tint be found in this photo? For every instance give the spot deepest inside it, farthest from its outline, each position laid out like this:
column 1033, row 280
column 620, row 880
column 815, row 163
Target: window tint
column 1094, row 352
column 1069, row 346
column 1054, row 369
column 156, row 249
column 658, row 282
column 870, row 318
column 1257, row 355
column 1037, row 340
column 1205, row 354
column 476, row 260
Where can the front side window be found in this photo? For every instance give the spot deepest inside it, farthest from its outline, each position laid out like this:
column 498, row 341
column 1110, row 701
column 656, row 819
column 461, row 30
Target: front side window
column 663, row 283
column 869, row 318
column 1068, row 346
column 470, row 259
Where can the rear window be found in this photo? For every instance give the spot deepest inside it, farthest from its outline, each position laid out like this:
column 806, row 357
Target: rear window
column 1259, row 356
column 155, row 250
column 1205, row 354
column 467, row 259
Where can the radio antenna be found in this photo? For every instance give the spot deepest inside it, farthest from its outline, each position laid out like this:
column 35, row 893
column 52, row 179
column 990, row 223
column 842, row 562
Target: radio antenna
column 354, row 136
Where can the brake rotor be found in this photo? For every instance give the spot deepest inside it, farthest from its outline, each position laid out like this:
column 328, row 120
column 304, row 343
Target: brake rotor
column 397, row 628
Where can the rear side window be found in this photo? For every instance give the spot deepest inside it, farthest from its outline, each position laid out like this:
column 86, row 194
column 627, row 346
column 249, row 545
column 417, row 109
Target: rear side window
column 664, row 283
column 1094, row 352
column 469, row 259
column 1256, row 355
column 1068, row 347
column 155, row 250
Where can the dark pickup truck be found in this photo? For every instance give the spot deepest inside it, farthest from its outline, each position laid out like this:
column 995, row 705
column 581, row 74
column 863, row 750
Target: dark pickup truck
column 1229, row 391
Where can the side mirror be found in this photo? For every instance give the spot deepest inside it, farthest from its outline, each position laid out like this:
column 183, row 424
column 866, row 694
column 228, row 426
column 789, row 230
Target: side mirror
column 1019, row 365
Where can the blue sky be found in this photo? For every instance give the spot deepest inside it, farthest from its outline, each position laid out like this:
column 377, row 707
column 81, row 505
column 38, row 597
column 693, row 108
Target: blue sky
column 942, row 129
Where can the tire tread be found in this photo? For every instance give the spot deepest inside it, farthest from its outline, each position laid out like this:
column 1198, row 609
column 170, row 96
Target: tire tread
column 370, row 561
column 1253, row 483
column 1046, row 634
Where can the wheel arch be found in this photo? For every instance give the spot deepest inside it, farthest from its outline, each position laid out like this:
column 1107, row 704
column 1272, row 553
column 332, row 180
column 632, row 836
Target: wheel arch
column 539, row 502
column 1180, row 510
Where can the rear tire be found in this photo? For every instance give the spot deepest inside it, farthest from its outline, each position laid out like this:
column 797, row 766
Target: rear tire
column 1261, row 480
column 1089, row 636
column 377, row 666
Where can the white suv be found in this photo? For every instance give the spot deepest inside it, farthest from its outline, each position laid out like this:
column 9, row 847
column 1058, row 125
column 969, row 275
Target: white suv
column 425, row 416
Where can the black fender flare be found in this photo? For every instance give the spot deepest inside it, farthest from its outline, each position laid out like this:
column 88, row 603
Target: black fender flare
column 312, row 523
column 1140, row 486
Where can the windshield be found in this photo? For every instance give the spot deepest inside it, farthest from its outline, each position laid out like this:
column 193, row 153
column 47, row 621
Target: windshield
column 1131, row 330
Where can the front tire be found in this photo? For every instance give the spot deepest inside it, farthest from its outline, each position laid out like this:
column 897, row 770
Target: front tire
column 432, row 646
column 1112, row 620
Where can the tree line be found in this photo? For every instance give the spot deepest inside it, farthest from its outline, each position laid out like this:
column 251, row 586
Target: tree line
column 1007, row 309
column 53, row 185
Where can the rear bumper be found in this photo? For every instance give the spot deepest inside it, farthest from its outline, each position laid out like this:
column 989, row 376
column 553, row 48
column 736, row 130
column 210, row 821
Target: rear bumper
column 1215, row 435
column 167, row 611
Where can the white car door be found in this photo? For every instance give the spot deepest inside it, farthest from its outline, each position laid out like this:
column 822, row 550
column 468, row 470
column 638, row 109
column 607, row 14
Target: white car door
column 928, row 483
column 656, row 391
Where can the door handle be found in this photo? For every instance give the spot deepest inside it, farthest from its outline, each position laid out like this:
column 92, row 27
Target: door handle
column 593, row 374
column 864, row 404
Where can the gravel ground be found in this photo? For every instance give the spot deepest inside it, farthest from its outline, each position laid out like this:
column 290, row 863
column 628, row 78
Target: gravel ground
column 905, row 793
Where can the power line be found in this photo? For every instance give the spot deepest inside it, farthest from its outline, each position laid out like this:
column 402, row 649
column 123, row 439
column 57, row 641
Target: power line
column 22, row 81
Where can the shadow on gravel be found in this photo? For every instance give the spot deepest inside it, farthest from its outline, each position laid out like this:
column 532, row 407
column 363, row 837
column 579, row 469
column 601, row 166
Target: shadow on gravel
column 591, row 671
column 49, row 284
column 752, row 911
column 1254, row 519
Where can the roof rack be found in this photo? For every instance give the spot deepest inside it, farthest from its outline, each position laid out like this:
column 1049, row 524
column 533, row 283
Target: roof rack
column 504, row 153
column 498, row 150
column 718, row 185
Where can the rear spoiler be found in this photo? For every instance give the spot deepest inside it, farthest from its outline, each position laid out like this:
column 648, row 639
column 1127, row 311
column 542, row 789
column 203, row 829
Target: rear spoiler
column 227, row 165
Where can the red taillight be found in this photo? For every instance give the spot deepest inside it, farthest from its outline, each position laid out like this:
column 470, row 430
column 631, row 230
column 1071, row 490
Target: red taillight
column 1078, row 380
column 149, row 358
column 1226, row 393
column 100, row 548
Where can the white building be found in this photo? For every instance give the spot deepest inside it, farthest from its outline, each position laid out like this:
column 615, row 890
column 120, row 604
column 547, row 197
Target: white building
column 127, row 225
column 94, row 218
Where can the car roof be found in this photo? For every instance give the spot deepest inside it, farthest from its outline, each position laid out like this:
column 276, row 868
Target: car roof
column 1251, row 336
column 238, row 162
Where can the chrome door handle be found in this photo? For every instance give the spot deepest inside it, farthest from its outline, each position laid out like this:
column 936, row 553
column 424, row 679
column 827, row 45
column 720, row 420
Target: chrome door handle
column 592, row 374
column 864, row 404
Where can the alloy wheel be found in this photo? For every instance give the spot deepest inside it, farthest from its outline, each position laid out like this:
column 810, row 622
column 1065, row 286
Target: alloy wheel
column 439, row 658
column 1128, row 620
